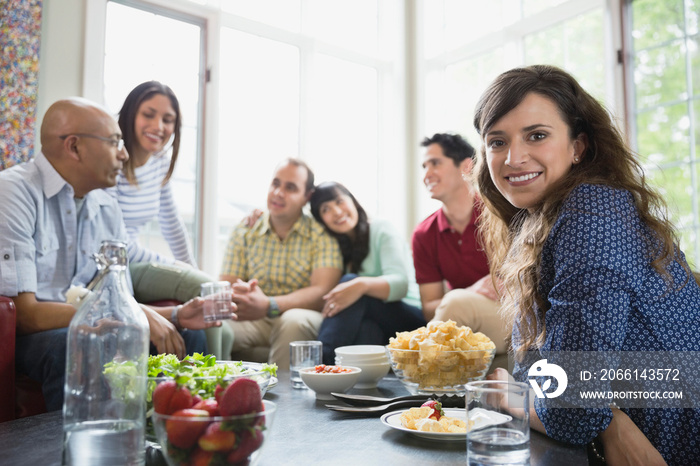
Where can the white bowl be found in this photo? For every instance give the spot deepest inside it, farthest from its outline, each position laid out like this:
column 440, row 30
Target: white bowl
column 360, row 352
column 371, row 374
column 326, row 382
column 353, row 361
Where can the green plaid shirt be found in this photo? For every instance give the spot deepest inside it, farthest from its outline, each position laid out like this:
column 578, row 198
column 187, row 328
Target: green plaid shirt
column 281, row 267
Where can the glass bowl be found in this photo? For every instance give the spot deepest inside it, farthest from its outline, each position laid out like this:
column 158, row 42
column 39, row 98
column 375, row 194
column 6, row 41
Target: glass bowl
column 425, row 372
column 214, row 439
column 203, row 387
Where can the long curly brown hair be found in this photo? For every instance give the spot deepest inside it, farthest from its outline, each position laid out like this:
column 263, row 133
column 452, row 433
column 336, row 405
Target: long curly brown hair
column 514, row 237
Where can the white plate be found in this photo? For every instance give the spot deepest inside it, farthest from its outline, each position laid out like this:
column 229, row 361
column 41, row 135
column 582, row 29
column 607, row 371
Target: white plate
column 481, row 417
column 273, row 383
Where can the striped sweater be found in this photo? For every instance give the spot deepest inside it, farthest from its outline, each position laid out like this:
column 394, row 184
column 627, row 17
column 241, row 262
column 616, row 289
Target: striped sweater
column 148, row 200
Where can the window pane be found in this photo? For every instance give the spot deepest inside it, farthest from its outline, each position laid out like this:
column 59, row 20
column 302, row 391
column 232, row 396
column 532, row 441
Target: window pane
column 693, row 45
column 675, row 186
column 577, row 46
column 453, row 23
column 655, row 21
column 531, row 7
column 689, row 243
column 465, row 21
column 663, row 134
column 450, row 98
column 465, row 83
column 693, row 16
column 258, row 119
column 128, row 62
column 696, row 112
column 342, row 127
column 659, row 75
column 433, row 24
column 185, row 176
column 664, row 113
column 284, row 14
column 352, row 25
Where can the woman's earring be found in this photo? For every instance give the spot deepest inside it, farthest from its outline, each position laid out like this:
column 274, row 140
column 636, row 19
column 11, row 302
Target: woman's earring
column 575, row 159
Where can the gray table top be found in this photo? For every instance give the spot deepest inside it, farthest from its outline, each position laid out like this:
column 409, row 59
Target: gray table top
column 304, row 432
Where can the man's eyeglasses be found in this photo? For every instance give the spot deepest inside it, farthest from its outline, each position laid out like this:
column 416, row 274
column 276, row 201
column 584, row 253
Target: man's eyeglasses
column 118, row 143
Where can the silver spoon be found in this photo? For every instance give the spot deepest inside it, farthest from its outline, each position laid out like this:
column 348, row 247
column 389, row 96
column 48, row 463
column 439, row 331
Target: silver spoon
column 449, row 402
column 367, row 400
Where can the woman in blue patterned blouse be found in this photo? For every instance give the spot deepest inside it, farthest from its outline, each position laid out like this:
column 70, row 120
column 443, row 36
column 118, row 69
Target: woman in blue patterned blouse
column 587, row 257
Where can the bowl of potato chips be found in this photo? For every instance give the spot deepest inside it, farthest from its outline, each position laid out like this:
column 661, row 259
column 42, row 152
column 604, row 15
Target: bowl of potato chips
column 440, row 358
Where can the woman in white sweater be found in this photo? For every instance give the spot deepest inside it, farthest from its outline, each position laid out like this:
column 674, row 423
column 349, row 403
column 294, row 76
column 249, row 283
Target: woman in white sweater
column 150, row 121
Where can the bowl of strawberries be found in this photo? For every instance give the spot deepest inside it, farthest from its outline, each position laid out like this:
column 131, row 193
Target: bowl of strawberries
column 230, row 428
column 200, row 375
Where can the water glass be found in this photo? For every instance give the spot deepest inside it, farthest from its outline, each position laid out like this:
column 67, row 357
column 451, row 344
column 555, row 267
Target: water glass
column 303, row 354
column 217, row 301
column 501, row 430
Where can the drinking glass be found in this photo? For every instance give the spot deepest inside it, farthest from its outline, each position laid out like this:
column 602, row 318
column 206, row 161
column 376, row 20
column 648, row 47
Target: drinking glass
column 500, row 433
column 303, row 354
column 217, row 301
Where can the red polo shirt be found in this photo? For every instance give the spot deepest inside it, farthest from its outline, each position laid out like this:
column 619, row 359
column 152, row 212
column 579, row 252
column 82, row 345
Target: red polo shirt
column 441, row 253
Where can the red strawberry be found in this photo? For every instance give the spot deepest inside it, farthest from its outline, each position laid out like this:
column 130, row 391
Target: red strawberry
column 168, row 397
column 249, row 442
column 242, row 396
column 208, row 405
column 215, row 439
column 196, row 399
column 201, row 457
column 183, row 433
column 436, row 406
column 218, row 391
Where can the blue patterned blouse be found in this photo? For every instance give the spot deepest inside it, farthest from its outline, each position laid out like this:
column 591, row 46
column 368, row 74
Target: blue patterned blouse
column 605, row 296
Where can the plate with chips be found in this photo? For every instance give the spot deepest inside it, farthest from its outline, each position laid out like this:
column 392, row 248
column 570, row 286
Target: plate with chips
column 481, row 418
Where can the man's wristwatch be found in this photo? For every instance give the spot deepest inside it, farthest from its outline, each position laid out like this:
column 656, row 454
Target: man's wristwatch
column 174, row 317
column 273, row 310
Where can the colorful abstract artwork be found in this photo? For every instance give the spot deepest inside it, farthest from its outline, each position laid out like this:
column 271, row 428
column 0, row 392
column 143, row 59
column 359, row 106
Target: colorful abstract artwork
column 20, row 34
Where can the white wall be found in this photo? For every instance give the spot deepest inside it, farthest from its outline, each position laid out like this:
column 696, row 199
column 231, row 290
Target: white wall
column 60, row 54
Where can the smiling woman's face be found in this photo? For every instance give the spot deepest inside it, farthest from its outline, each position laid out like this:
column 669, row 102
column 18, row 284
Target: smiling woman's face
column 529, row 149
column 155, row 123
column 339, row 214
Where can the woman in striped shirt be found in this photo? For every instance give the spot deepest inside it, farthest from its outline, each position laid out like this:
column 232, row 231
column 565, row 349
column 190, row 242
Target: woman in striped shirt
column 150, row 121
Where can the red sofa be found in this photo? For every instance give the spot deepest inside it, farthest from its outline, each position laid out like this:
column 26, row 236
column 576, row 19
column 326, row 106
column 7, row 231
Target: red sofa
column 7, row 359
column 20, row 396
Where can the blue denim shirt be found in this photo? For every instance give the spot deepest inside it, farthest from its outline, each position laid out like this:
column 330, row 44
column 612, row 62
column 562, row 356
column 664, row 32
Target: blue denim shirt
column 45, row 245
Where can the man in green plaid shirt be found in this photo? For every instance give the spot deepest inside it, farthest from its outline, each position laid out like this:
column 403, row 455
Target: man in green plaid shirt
column 281, row 268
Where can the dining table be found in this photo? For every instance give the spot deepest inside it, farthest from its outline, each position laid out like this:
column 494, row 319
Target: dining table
column 303, row 432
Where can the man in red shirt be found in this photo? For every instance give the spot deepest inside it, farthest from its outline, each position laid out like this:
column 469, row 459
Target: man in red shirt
column 451, row 266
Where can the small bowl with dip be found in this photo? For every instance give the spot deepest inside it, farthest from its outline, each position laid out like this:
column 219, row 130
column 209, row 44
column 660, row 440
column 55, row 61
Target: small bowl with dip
column 324, row 379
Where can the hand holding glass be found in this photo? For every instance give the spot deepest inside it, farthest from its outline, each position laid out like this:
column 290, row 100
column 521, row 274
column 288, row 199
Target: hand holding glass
column 217, row 301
